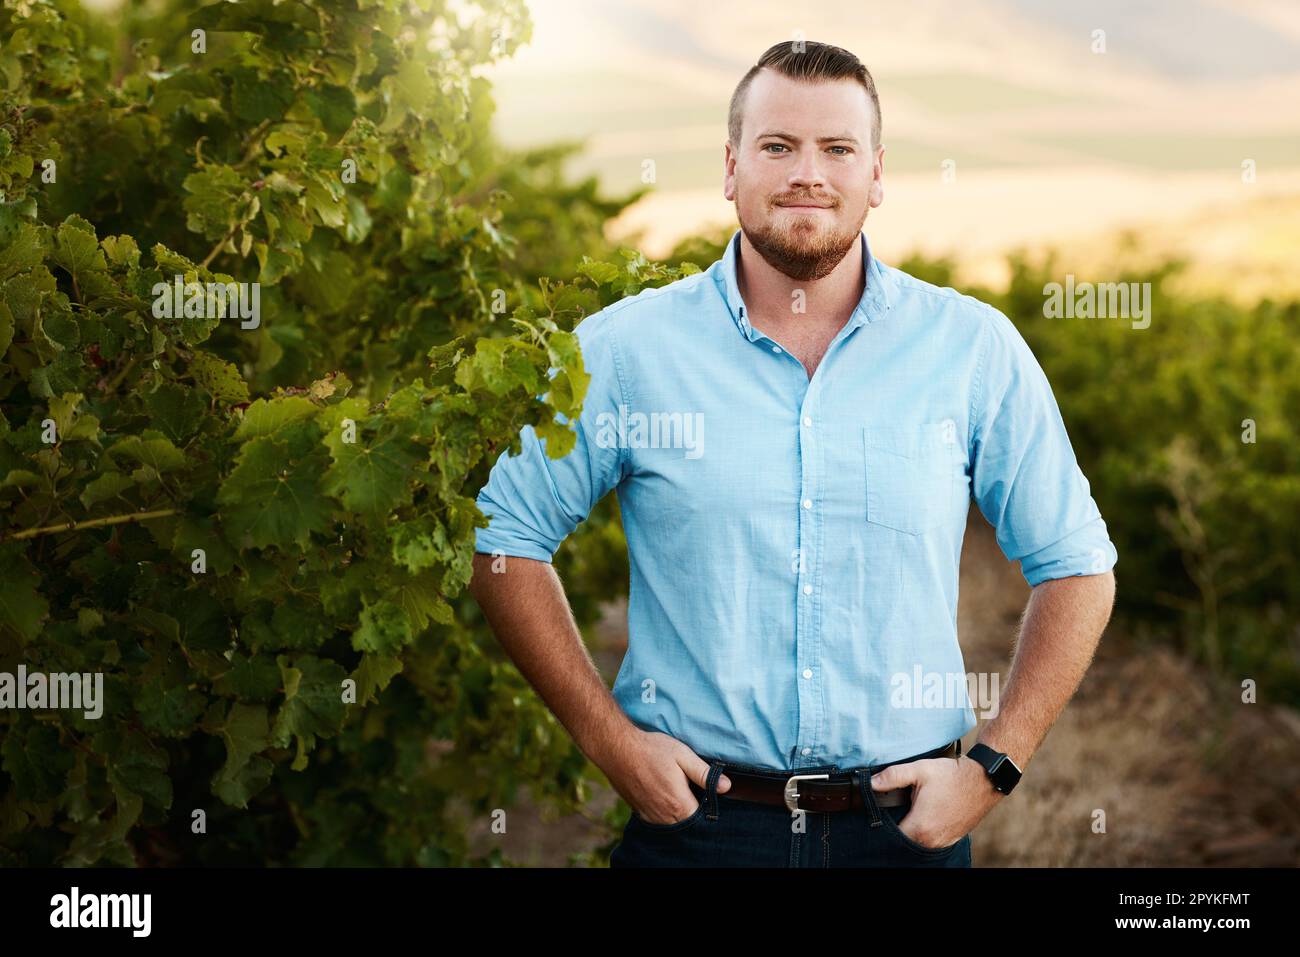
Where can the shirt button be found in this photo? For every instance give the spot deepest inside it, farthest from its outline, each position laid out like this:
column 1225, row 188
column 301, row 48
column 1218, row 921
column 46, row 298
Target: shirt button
column 807, row 589
column 807, row 420
column 807, row 673
column 807, row 750
column 807, row 503
column 776, row 348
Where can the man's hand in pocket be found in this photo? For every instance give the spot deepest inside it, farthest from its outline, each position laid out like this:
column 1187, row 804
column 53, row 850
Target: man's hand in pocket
column 652, row 771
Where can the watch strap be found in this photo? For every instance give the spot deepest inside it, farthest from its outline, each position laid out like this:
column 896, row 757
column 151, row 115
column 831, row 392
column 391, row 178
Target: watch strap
column 991, row 761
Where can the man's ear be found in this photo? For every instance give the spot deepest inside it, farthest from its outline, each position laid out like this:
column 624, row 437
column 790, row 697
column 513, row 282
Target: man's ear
column 728, row 173
column 876, row 194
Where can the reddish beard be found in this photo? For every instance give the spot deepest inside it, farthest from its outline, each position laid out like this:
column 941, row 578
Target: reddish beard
column 797, row 248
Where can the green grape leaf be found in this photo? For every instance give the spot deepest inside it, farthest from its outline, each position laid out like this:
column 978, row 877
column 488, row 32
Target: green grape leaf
column 255, row 99
column 105, row 486
column 384, row 628
column 266, row 418
column 373, row 675
column 213, row 203
column 25, row 251
column 293, row 625
column 36, row 761
column 372, row 478
column 250, row 678
column 419, row 599
column 313, row 704
column 121, row 251
column 220, row 379
column 177, row 412
column 245, row 733
column 499, row 366
column 22, row 607
column 270, row 502
column 169, row 710
column 76, row 248
column 418, row 544
column 6, row 329
column 334, row 106
column 560, row 439
column 151, row 449
column 137, row 766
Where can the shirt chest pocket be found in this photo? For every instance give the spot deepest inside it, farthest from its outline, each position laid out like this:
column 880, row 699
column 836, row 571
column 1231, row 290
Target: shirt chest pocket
column 910, row 475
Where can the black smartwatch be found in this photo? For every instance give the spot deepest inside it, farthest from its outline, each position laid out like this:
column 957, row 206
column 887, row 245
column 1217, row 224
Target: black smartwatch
column 1002, row 771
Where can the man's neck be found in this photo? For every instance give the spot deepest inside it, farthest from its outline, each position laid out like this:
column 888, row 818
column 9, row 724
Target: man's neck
column 770, row 295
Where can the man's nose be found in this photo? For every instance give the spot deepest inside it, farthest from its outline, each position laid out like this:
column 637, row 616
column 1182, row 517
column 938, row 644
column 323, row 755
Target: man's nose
column 808, row 172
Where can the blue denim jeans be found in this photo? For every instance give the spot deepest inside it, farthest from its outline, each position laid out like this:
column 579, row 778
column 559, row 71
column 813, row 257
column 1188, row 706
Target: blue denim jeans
column 730, row 832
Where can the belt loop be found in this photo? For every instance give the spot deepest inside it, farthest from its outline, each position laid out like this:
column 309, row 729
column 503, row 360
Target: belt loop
column 862, row 779
column 711, row 790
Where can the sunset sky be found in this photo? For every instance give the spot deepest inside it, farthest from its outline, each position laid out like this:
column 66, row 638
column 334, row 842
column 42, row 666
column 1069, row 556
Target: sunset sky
column 1052, row 142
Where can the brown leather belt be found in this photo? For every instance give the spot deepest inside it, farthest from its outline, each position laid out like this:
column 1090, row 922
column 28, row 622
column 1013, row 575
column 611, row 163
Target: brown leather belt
column 818, row 792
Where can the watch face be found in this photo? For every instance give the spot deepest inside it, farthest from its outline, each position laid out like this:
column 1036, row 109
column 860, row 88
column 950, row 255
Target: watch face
column 1005, row 774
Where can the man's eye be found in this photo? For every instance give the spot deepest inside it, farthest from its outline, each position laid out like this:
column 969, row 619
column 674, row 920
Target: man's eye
column 847, row 150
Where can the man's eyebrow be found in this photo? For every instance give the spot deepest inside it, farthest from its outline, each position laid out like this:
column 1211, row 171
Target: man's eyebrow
column 841, row 138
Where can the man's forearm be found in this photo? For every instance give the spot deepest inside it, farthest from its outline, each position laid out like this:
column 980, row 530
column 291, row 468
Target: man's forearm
column 1062, row 624
column 529, row 614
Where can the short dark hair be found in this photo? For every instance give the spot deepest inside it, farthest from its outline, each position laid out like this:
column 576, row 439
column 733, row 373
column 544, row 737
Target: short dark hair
column 805, row 60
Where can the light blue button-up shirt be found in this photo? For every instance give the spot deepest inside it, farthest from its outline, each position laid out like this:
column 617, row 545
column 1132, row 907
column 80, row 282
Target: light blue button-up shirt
column 793, row 542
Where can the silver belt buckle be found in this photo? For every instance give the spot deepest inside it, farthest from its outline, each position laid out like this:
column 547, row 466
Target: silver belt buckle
column 792, row 790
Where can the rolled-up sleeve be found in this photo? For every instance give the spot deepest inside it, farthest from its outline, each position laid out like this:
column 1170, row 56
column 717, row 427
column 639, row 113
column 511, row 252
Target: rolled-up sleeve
column 533, row 502
column 1025, row 478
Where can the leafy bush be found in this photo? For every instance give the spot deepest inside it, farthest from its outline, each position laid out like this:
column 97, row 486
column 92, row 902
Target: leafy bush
column 260, row 532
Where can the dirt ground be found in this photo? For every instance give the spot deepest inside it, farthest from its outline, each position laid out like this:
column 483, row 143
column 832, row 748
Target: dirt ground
column 1186, row 774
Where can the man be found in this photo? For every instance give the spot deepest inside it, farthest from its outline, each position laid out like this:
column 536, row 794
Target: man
column 795, row 436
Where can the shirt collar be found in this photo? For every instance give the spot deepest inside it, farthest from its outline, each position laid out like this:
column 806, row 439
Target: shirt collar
column 874, row 304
